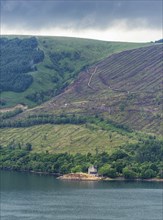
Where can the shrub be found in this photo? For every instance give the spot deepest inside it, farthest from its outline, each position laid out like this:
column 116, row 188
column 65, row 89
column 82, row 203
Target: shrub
column 128, row 173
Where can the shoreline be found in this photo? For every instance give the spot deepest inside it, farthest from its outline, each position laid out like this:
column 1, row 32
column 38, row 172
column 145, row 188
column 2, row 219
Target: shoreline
column 80, row 177
column 87, row 177
column 62, row 177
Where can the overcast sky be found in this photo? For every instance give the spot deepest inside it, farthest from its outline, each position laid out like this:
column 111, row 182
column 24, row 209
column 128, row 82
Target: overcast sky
column 125, row 20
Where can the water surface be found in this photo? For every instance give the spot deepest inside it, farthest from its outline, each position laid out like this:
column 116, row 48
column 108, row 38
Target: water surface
column 38, row 197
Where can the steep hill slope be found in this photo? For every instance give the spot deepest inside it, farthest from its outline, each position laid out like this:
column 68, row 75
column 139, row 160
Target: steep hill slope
column 125, row 87
column 100, row 96
column 61, row 59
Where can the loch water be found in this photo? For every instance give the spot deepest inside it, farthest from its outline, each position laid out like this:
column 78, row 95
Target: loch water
column 26, row 196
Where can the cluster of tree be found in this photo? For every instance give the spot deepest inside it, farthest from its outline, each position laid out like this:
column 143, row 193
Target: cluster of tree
column 42, row 96
column 65, row 119
column 19, row 57
column 135, row 163
column 2, row 102
column 64, row 63
column 38, row 97
column 60, row 66
column 65, row 70
column 10, row 114
column 120, row 126
column 44, row 119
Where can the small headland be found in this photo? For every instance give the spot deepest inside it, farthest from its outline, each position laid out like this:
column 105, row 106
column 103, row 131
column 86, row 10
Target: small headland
column 80, row 177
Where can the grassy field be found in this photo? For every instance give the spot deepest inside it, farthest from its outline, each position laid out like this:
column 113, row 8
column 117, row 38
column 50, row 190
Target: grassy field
column 67, row 138
column 90, row 52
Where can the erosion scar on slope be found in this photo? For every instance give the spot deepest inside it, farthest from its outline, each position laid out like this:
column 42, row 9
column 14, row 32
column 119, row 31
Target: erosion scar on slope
column 90, row 79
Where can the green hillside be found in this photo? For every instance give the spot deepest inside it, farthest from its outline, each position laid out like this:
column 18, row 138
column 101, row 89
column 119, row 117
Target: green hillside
column 67, row 138
column 125, row 88
column 63, row 60
column 87, row 102
column 18, row 58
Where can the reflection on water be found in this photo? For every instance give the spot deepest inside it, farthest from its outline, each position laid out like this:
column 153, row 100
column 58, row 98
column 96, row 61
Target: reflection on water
column 35, row 197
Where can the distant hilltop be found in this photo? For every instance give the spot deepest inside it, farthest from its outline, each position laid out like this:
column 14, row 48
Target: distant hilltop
column 159, row 41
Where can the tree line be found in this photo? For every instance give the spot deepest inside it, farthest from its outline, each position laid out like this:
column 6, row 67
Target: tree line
column 141, row 160
column 31, row 120
column 19, row 58
column 10, row 114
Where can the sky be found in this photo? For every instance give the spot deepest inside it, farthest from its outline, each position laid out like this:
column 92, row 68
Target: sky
column 110, row 20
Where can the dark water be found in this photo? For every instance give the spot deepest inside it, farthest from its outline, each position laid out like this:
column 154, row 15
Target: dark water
column 34, row 197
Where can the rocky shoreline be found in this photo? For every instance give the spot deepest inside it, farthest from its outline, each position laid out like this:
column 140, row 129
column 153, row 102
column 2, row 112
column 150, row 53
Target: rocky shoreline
column 80, row 177
column 87, row 177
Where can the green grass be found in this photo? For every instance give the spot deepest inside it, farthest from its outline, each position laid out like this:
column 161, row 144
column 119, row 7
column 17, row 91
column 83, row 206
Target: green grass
column 67, row 138
column 91, row 51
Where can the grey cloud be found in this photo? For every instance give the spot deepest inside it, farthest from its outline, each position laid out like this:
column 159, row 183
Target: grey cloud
column 96, row 14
